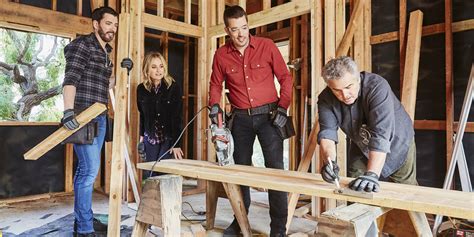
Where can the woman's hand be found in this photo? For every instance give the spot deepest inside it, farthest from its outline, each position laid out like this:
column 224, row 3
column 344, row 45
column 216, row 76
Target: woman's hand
column 177, row 153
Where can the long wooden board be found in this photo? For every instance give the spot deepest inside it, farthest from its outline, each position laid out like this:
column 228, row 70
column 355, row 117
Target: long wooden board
column 400, row 196
column 62, row 133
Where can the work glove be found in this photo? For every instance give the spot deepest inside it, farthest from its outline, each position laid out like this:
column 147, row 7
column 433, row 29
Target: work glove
column 69, row 120
column 368, row 182
column 141, row 151
column 280, row 117
column 127, row 63
column 330, row 175
column 213, row 114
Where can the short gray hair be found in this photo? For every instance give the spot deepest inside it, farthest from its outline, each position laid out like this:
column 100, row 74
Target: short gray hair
column 336, row 68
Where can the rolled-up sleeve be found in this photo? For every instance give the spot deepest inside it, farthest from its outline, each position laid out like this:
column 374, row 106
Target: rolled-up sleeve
column 328, row 124
column 77, row 58
column 381, row 119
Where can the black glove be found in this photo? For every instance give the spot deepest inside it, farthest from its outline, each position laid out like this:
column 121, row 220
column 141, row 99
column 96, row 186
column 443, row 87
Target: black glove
column 127, row 63
column 69, row 120
column 215, row 110
column 329, row 175
column 141, row 151
column 280, row 117
column 368, row 182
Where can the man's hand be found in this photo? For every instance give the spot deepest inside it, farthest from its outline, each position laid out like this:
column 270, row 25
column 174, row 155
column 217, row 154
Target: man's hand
column 177, row 153
column 141, row 151
column 215, row 110
column 329, row 175
column 280, row 117
column 69, row 120
column 127, row 63
column 368, row 182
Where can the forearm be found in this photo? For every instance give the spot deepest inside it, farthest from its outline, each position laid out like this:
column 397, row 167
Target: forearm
column 328, row 148
column 69, row 93
column 376, row 161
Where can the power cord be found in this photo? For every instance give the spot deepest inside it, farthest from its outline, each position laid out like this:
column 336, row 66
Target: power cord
column 199, row 213
column 176, row 142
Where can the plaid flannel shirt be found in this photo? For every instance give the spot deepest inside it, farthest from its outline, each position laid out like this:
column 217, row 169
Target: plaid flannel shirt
column 88, row 68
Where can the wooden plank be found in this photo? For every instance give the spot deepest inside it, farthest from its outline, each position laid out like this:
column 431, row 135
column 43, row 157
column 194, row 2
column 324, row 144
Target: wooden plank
column 440, row 125
column 265, row 17
column 107, row 166
column 211, row 203
column 172, row 26
column 340, row 20
column 401, row 196
column 420, row 222
column 9, row 201
column 353, row 21
column 117, row 165
column 43, row 20
column 140, row 229
column 402, row 27
column 367, row 34
column 62, row 133
column 237, row 202
column 427, row 30
column 410, row 80
column 79, row 7
column 329, row 30
column 54, row 5
column 68, row 167
column 96, row 4
column 243, row 4
column 448, row 39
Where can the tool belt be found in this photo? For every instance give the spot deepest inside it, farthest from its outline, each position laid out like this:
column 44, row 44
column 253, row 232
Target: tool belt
column 263, row 109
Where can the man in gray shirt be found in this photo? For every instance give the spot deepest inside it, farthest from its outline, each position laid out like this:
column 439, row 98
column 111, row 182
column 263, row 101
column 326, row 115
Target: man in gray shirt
column 363, row 105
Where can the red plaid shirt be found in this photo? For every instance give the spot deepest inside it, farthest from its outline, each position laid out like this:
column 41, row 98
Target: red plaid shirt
column 250, row 77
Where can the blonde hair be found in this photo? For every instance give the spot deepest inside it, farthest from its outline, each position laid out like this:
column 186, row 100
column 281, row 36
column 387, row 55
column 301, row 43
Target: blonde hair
column 167, row 78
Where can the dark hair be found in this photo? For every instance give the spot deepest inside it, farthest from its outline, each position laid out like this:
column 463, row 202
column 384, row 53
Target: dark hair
column 234, row 12
column 98, row 13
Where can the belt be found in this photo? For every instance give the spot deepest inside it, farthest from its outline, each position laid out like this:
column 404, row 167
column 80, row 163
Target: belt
column 263, row 109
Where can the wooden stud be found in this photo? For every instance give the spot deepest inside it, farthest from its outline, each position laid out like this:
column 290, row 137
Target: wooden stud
column 96, row 4
column 304, row 74
column 171, row 26
column 160, row 8
column 117, row 167
column 108, row 166
column 187, row 11
column 62, row 133
column 197, row 230
column 237, row 202
column 79, row 7
column 348, row 36
column 68, row 167
column 440, row 125
column 403, row 39
column 367, row 33
column 329, row 30
column 243, row 4
column 448, row 39
column 211, row 203
column 410, row 80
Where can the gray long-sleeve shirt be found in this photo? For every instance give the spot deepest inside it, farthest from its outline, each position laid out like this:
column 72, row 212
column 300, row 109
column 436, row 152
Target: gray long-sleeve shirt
column 376, row 121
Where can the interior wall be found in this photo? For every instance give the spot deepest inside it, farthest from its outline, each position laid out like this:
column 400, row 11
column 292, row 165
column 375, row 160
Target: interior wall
column 431, row 92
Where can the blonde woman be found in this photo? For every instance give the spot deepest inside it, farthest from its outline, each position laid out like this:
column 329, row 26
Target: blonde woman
column 160, row 106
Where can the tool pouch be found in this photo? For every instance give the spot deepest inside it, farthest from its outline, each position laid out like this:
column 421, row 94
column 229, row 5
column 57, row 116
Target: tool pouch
column 109, row 129
column 288, row 130
column 85, row 135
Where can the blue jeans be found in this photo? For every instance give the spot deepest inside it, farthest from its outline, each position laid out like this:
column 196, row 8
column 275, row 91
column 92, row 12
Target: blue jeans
column 88, row 157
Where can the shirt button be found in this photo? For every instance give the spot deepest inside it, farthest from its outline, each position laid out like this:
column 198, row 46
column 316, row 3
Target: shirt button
column 245, row 65
column 158, row 115
column 248, row 88
column 162, row 126
column 251, row 99
column 246, row 76
column 258, row 65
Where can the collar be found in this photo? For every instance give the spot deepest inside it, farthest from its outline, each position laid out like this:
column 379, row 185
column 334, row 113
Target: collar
column 230, row 46
column 96, row 43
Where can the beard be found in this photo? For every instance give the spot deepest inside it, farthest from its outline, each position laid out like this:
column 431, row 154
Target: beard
column 105, row 36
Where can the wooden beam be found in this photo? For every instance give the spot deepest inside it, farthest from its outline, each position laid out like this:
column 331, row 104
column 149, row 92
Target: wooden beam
column 427, row 30
column 439, row 125
column 24, row 17
column 410, row 80
column 117, row 165
column 187, row 11
column 274, row 14
column 172, row 26
column 243, row 4
column 96, row 4
column 392, row 195
column 367, row 33
column 448, row 39
column 329, row 30
column 54, row 5
column 62, row 133
column 160, row 8
column 353, row 23
column 79, row 7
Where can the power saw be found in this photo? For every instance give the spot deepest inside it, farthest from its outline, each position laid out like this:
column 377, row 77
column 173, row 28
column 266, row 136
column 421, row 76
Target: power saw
column 223, row 142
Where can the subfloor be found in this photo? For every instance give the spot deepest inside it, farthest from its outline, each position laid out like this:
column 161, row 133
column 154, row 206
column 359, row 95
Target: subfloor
column 54, row 217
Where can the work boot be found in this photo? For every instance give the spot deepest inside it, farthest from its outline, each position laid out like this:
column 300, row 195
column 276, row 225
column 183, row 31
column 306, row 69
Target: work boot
column 233, row 230
column 98, row 226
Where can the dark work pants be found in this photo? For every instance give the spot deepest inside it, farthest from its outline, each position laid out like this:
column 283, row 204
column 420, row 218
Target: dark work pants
column 153, row 152
column 244, row 130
